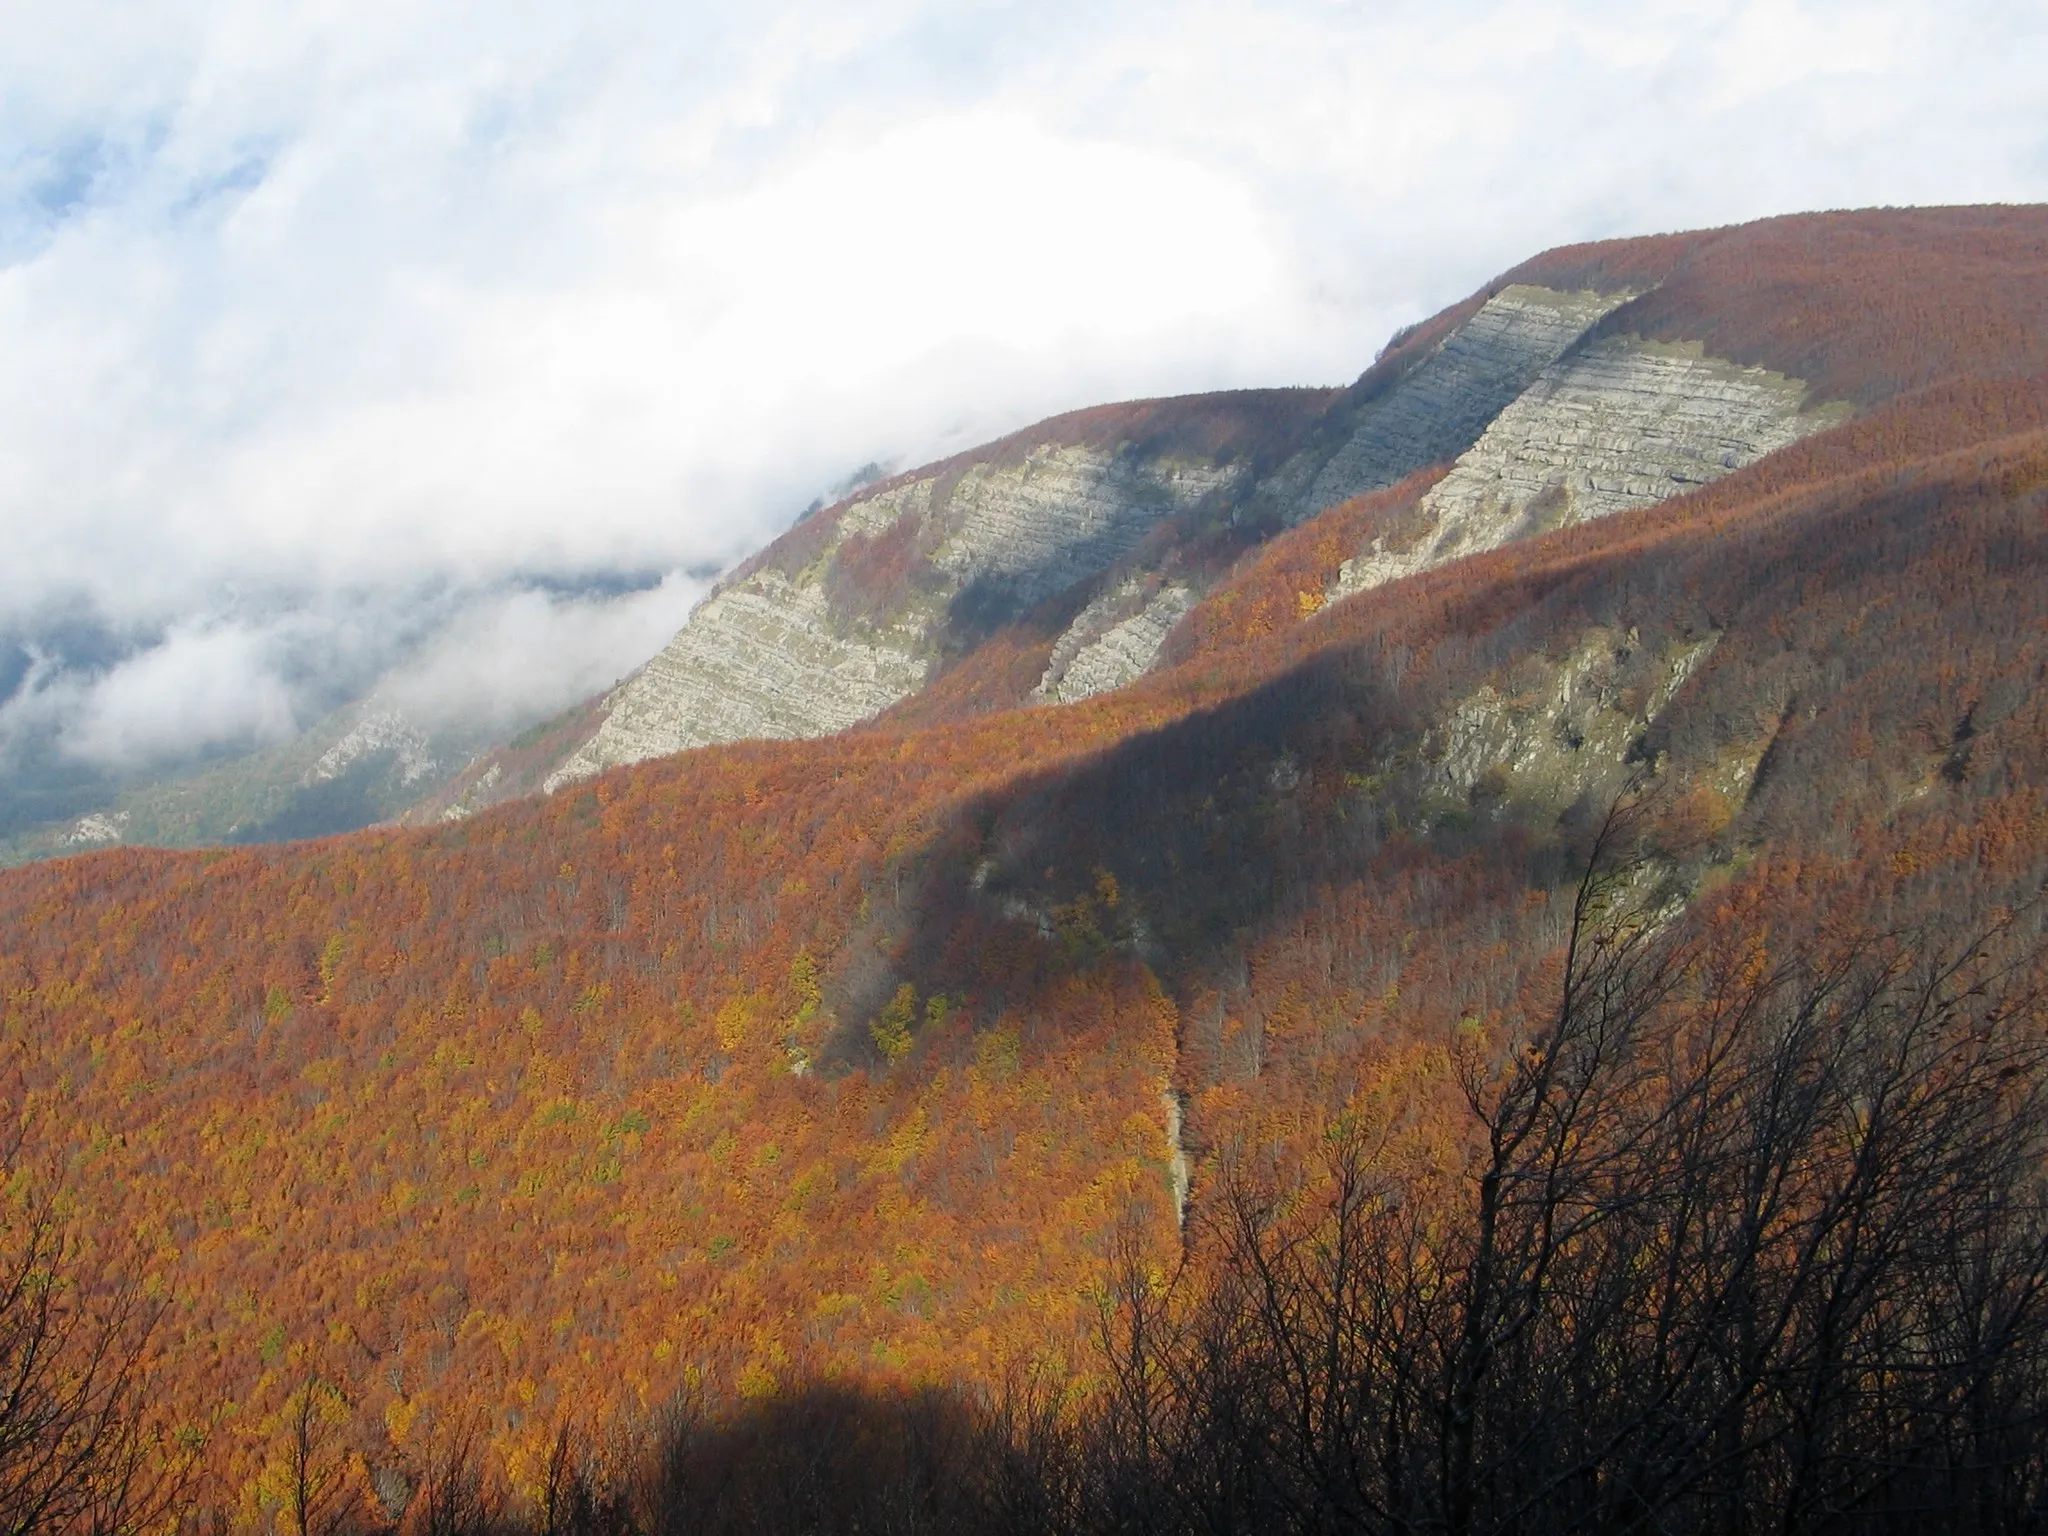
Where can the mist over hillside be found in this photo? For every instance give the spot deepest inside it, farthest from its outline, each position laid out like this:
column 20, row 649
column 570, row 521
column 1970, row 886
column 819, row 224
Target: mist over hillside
column 288, row 715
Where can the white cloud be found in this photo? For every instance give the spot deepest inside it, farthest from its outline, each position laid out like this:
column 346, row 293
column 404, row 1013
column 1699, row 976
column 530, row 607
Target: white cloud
column 198, row 689
column 574, row 428
column 509, row 657
column 308, row 310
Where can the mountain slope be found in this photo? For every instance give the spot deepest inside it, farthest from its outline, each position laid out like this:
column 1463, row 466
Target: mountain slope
column 860, row 603
column 366, row 762
column 1586, row 382
column 854, row 1056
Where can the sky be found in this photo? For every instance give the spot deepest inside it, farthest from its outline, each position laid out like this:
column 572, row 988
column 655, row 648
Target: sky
column 456, row 344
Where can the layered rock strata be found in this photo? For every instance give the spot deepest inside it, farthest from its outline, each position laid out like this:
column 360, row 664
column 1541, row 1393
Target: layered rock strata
column 1548, row 429
column 1107, row 647
column 1620, row 423
column 1439, row 408
column 1436, row 410
column 772, row 657
column 757, row 660
column 1028, row 530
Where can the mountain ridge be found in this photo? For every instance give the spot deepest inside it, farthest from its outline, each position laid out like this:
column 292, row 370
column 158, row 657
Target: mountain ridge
column 1433, row 395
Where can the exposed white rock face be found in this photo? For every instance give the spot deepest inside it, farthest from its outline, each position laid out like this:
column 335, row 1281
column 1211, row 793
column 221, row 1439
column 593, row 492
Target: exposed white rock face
column 1063, row 515
column 1563, row 728
column 1036, row 528
column 767, row 658
column 477, row 794
column 378, row 730
column 1442, row 404
column 1437, row 409
column 1621, row 423
column 99, row 828
column 1107, row 646
column 757, row 660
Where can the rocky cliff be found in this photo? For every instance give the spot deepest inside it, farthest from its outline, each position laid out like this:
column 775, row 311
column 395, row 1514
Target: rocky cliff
column 1119, row 520
column 760, row 659
column 773, row 655
column 860, row 604
column 1114, row 641
column 1439, row 407
column 1618, row 423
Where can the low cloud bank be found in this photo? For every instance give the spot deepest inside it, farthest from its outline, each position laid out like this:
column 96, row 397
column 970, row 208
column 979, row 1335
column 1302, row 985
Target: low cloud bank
column 199, row 689
column 512, row 658
column 467, row 664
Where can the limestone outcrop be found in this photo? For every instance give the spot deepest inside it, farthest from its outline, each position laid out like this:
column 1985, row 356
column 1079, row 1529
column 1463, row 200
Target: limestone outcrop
column 1442, row 404
column 1436, row 409
column 96, row 829
column 1619, row 423
column 1548, row 420
column 773, row 656
column 806, row 652
column 378, row 730
column 1558, row 725
column 757, row 660
column 1109, row 645
column 1026, row 531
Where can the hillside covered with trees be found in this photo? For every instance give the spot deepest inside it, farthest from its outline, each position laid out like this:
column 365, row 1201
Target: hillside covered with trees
column 1553, row 1040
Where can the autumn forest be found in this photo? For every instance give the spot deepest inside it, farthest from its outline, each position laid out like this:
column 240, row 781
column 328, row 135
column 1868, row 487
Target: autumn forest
column 1552, row 1042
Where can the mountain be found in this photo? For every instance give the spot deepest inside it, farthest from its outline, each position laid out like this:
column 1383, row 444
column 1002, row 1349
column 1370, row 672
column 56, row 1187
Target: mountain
column 1104, row 528
column 352, row 724
column 863, row 602
column 861, row 1057
column 366, row 762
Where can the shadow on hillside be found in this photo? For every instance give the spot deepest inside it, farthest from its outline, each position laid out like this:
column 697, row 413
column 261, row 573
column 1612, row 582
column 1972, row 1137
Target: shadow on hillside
column 1182, row 846
column 1188, row 847
column 826, row 1460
